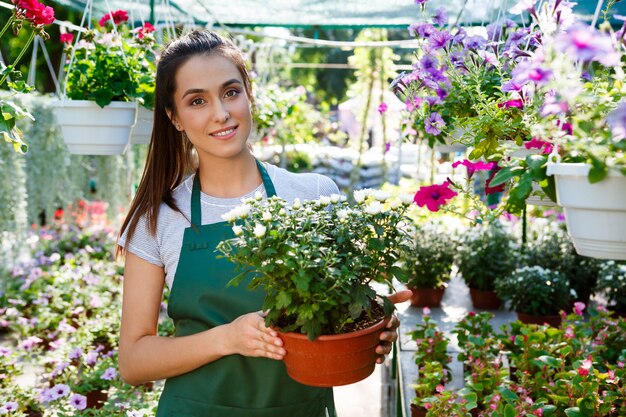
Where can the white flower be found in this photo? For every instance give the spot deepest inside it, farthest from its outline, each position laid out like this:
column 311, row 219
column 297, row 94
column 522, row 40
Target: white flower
column 243, row 211
column 343, row 214
column 296, row 204
column 237, row 230
column 395, row 203
column 282, row 212
column 374, row 207
column 324, row 200
column 335, row 198
column 267, row 216
column 406, row 199
column 258, row 196
column 380, row 195
column 361, row 195
column 259, row 230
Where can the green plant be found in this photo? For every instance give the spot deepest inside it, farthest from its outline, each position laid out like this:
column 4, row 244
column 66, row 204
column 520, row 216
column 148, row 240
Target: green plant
column 535, row 291
column 432, row 344
column 112, row 64
column 428, row 257
column 35, row 15
column 430, row 380
column 450, row 404
column 487, row 253
column 612, row 282
column 316, row 259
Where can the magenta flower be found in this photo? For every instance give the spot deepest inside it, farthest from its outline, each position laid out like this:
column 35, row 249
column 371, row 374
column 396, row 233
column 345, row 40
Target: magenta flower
column 66, row 37
column 474, row 166
column 516, row 103
column 78, row 401
column 527, row 71
column 492, row 190
column 434, row 196
column 535, row 143
column 382, row 107
column 584, row 43
column 434, row 124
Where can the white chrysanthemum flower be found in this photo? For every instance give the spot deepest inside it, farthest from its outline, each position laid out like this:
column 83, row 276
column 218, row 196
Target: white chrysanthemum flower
column 335, row 198
column 381, row 195
column 361, row 195
column 244, row 210
column 282, row 212
column 258, row 196
column 237, row 230
column 231, row 215
column 259, row 230
column 296, row 204
column 343, row 214
column 325, row 200
column 395, row 203
column 406, row 199
column 267, row 216
column 374, row 207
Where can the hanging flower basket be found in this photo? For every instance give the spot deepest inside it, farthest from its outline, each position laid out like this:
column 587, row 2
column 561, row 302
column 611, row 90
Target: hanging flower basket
column 142, row 132
column 595, row 214
column 89, row 129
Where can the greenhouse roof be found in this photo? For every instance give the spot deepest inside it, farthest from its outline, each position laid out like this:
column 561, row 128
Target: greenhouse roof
column 311, row 13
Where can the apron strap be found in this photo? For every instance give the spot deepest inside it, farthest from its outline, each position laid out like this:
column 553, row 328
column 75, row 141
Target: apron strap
column 196, row 209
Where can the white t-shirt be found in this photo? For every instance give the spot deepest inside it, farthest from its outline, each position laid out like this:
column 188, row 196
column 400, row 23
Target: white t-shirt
column 163, row 249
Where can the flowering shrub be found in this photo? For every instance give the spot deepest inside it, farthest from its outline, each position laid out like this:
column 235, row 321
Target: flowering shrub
column 112, row 63
column 315, row 259
column 428, row 257
column 36, row 16
column 486, row 253
column 431, row 377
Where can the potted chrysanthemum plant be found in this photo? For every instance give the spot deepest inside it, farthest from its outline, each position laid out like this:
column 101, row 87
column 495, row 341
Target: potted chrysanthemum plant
column 316, row 261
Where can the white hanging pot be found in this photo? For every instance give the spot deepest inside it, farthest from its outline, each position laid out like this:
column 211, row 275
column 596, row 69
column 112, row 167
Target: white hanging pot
column 595, row 214
column 142, row 132
column 89, row 129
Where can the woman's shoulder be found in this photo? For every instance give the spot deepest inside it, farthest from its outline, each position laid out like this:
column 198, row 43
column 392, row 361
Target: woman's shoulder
column 302, row 185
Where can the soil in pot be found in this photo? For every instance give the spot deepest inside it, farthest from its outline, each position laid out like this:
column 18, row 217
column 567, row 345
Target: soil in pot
column 418, row 411
column 334, row 360
column 96, row 399
column 485, row 300
column 427, row 297
column 552, row 320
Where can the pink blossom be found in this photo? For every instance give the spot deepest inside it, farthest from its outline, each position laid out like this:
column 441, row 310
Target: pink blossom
column 538, row 412
column 569, row 333
column 382, row 107
column 426, row 311
column 474, row 166
column 439, row 388
column 516, row 103
column 583, row 370
column 66, row 37
column 434, row 196
column 579, row 307
column 427, row 406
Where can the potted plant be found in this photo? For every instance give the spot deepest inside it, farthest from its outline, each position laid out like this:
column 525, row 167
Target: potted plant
column 487, row 253
column 109, row 72
column 432, row 344
column 430, row 381
column 612, row 283
column 316, row 261
column 536, row 294
column 427, row 263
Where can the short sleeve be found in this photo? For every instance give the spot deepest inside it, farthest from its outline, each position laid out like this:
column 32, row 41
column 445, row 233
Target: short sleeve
column 143, row 243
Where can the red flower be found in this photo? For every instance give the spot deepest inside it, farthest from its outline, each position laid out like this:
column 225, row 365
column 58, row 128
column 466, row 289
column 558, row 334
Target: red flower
column 58, row 214
column 66, row 37
column 36, row 12
column 434, row 196
column 118, row 16
column 474, row 166
column 497, row 188
column 518, row 104
column 143, row 31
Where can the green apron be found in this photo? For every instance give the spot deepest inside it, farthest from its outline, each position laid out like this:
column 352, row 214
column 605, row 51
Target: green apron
column 235, row 385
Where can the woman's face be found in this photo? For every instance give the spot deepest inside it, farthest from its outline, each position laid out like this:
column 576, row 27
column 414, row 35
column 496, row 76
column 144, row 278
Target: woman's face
column 212, row 106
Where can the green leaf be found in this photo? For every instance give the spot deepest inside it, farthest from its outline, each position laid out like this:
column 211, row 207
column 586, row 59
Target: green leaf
column 283, row 299
column 598, row 171
column 506, row 174
column 574, row 412
column 509, row 411
column 549, row 360
column 586, row 406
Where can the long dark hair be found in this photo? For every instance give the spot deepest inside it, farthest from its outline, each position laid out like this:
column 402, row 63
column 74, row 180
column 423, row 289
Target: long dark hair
column 170, row 154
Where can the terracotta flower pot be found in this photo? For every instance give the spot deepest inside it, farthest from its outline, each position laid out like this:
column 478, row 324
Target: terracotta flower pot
column 332, row 360
column 553, row 320
column 485, row 300
column 96, row 399
column 427, row 297
column 418, row 411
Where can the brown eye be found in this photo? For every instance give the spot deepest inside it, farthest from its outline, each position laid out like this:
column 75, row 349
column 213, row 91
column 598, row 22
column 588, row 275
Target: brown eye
column 197, row 102
column 231, row 93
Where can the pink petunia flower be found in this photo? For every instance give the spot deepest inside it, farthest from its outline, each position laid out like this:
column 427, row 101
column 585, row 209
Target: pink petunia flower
column 434, row 196
column 474, row 166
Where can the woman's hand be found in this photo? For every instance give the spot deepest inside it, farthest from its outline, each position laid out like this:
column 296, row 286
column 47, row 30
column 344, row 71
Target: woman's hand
column 248, row 336
column 389, row 336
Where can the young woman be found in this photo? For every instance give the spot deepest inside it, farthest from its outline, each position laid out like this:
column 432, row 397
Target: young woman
column 223, row 360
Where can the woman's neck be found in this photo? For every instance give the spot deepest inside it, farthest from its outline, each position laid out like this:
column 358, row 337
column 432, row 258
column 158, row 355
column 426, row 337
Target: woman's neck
column 230, row 178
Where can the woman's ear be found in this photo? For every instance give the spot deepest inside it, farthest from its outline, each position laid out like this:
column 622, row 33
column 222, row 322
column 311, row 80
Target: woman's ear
column 173, row 119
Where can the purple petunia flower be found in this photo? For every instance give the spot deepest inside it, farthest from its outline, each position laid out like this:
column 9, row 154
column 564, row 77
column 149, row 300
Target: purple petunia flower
column 414, row 103
column 442, row 93
column 439, row 39
column 433, row 100
column 423, row 30
column 59, row 391
column 78, row 401
column 553, row 106
column 4, row 351
column 30, row 343
column 8, row 407
column 428, row 62
column 585, row 43
column 109, row 374
column 617, row 122
column 91, row 358
column 510, row 86
column 475, row 42
column 441, row 17
column 434, row 124
column 76, row 353
column 527, row 71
